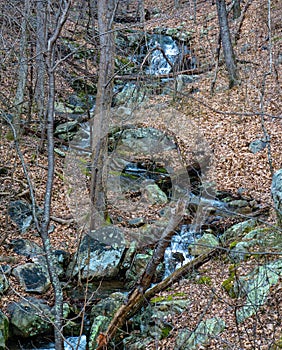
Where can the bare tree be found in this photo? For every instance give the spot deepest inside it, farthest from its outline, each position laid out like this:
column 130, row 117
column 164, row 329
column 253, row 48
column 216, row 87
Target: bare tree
column 226, row 43
column 106, row 10
column 52, row 64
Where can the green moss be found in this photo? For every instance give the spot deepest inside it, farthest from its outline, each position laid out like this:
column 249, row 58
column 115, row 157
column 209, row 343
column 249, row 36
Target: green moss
column 169, row 297
column 233, row 244
column 10, row 136
column 165, row 331
column 204, row 280
column 228, row 284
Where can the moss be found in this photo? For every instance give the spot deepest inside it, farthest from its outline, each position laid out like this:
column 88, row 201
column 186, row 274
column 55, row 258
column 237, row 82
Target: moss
column 277, row 345
column 204, row 280
column 228, row 284
column 10, row 136
column 233, row 244
column 165, row 331
column 169, row 297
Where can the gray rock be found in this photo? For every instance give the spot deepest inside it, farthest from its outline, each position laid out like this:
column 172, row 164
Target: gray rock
column 108, row 306
column 238, row 230
column 101, row 315
column 33, row 251
column 30, row 317
column 206, row 329
column 255, row 287
column 240, row 251
column 96, row 260
column 33, row 277
column 27, row 248
column 154, row 195
column 97, row 327
column 257, row 146
column 204, row 244
column 4, row 330
column 276, row 191
column 138, row 266
column 151, row 322
column 21, row 213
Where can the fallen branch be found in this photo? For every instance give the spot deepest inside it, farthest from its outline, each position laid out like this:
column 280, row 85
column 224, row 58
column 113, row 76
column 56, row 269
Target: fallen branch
column 136, row 297
column 195, row 71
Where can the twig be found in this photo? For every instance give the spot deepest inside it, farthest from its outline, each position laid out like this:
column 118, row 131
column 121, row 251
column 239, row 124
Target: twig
column 62, row 221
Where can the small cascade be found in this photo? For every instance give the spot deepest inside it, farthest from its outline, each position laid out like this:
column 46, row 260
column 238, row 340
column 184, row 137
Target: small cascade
column 177, row 254
column 162, row 59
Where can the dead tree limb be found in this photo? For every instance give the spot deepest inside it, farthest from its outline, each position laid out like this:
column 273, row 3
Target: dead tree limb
column 136, row 297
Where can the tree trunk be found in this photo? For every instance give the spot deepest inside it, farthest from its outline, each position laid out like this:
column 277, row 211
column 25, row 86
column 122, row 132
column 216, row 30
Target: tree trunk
column 106, row 9
column 23, row 68
column 40, row 70
column 51, row 64
column 226, row 43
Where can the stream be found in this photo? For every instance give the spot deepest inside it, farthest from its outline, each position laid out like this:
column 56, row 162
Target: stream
column 164, row 54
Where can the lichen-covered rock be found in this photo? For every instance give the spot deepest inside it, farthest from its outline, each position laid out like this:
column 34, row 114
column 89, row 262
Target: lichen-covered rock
column 255, row 287
column 99, row 326
column 108, row 306
column 96, row 260
column 204, row 244
column 154, row 195
column 30, row 317
column 4, row 330
column 206, row 329
column 238, row 230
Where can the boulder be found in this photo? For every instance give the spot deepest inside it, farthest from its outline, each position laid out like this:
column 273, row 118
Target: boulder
column 96, row 260
column 154, row 195
column 34, row 278
column 21, row 213
column 255, row 287
column 204, row 331
column 238, row 230
column 203, row 244
column 30, row 317
column 4, row 330
column 276, row 192
column 36, row 254
column 26, row 248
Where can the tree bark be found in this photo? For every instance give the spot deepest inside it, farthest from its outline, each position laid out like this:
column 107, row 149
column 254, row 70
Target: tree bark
column 100, row 125
column 226, row 43
column 23, row 69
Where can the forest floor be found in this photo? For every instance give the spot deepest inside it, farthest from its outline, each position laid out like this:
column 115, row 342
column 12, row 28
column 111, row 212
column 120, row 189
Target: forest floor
column 229, row 120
